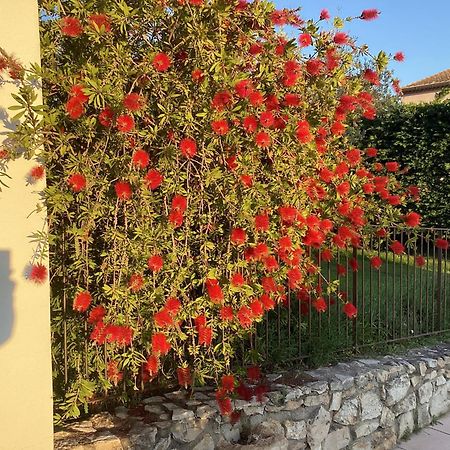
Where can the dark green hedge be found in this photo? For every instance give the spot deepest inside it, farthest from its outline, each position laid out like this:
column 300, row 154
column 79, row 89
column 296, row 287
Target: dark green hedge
column 418, row 137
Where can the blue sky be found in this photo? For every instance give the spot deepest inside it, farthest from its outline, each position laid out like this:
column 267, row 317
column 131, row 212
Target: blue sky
column 419, row 28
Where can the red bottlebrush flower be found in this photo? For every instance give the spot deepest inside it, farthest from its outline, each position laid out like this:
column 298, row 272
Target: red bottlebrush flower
column 121, row 335
column 200, row 322
column 205, row 336
column 179, row 203
column 324, row 14
column 37, row 172
column 224, row 403
column 257, row 308
column 392, row 166
column 372, row 77
column 238, row 236
column 173, row 305
column 97, row 314
column 350, row 310
column 268, row 284
column 341, row 270
column 227, row 383
column 237, row 280
column 133, row 101
column 341, row 169
column 256, row 98
column 288, row 215
column 243, row 88
column 82, row 301
column 337, row 129
column 353, row 263
column 140, row 159
column 77, row 91
column 381, row 233
column 376, row 262
column 113, row 373
column 412, row 219
column 370, row 14
column 270, row 263
column 256, row 49
column 153, row 179
column 163, row 319
column 305, row 40
column 341, row 38
column 262, row 222
column 123, row 190
column 414, row 191
column 231, row 162
column 160, row 345
column 397, row 247
column 214, row 290
column 294, row 278
column 267, row 302
column 220, row 127
column 226, row 313
column 441, row 243
column 343, row 188
column 152, row 365
column 247, row 180
column 250, row 124
column 221, row 100
column 263, row 139
column 254, row 373
column 326, row 255
column 77, row 182
column 245, row 317
column 155, row 263
column 291, row 100
column 188, row 147
column 184, row 376
column 71, row 26
column 100, row 20
column 106, row 117
column 38, row 273
column 420, row 261
column 176, row 218
column 326, row 175
column 353, row 156
column 303, row 132
column 399, row 56
column 319, row 305
column 394, row 200
column 161, row 62
column 267, row 119
column 136, row 282
column 314, row 67
column 125, row 123
column 197, row 75
column 74, row 108
column 261, row 251
column 244, row 392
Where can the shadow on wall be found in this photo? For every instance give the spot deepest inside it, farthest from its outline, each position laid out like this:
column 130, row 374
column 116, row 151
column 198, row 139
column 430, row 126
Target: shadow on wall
column 6, row 298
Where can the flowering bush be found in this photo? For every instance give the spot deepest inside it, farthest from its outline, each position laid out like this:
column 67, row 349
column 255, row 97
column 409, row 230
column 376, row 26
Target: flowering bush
column 197, row 170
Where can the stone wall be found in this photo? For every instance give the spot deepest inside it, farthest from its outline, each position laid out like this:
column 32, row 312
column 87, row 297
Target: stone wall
column 359, row 405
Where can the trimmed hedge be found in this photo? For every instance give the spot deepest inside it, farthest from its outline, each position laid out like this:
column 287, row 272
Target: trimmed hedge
column 418, row 137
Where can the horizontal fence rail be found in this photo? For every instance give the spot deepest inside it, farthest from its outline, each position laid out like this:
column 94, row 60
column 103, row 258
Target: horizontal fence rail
column 406, row 298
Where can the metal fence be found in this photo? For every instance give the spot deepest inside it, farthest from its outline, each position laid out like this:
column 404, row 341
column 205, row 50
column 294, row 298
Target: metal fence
column 405, row 298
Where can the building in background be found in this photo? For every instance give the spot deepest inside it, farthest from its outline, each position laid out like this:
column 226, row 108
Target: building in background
column 425, row 90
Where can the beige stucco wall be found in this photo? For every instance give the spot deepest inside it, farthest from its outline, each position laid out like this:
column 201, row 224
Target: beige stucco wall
column 25, row 363
column 420, row 97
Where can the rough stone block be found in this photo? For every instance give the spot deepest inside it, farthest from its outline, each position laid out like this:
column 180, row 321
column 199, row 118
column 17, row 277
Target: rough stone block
column 317, row 427
column 348, row 414
column 336, row 400
column 397, row 389
column 295, row 430
column 387, row 418
column 405, row 424
column 425, row 392
column 337, row 439
column 371, row 405
column 423, row 415
column 364, row 428
column 407, row 404
column 206, row 443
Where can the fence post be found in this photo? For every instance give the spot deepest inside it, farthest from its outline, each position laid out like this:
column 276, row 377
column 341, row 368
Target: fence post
column 439, row 289
column 355, row 300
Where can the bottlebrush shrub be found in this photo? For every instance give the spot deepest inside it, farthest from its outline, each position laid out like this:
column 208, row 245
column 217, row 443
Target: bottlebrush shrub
column 197, row 164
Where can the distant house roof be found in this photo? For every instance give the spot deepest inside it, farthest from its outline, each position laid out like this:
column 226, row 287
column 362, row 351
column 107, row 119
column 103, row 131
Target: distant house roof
column 436, row 81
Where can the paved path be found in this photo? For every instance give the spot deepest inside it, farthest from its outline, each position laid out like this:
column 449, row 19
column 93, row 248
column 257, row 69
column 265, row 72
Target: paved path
column 434, row 437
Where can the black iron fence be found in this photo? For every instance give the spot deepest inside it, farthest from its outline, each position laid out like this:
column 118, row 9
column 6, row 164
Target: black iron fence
column 407, row 297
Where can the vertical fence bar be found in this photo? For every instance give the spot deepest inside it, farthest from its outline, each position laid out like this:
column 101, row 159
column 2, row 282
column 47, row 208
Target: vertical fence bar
column 439, row 289
column 355, row 300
